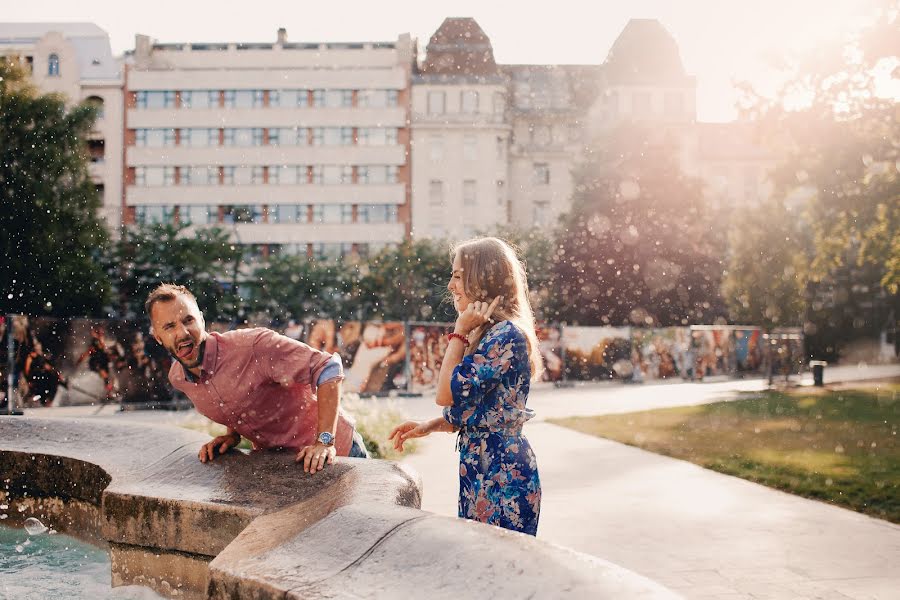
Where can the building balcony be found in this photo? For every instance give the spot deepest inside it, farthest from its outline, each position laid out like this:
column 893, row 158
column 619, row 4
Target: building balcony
column 337, row 233
column 265, row 155
column 166, row 118
column 391, row 193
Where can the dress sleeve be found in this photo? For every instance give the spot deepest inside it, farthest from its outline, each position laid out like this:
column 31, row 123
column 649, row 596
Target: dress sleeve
column 479, row 374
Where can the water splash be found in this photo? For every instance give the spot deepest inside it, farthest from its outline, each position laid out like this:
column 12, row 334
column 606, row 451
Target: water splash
column 34, row 527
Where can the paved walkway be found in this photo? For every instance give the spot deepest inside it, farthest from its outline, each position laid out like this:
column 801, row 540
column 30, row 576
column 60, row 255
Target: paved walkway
column 699, row 532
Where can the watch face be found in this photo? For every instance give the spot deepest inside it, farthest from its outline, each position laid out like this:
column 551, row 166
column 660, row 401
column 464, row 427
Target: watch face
column 326, row 438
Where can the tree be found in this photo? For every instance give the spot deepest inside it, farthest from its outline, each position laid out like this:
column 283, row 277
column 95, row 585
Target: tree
column 205, row 261
column 408, row 282
column 638, row 246
column 841, row 149
column 297, row 287
column 765, row 282
column 50, row 235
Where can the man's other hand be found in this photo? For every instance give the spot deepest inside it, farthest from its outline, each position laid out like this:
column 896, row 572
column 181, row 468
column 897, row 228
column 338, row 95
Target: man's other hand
column 315, row 457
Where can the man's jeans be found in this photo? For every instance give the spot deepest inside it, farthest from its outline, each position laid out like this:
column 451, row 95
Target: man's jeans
column 358, row 448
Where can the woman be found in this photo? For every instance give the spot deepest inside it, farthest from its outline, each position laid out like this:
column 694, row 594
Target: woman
column 491, row 358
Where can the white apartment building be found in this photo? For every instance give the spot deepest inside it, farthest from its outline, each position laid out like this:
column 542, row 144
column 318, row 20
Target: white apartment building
column 293, row 147
column 75, row 59
column 460, row 136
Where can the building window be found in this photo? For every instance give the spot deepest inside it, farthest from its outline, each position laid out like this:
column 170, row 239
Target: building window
column 53, row 65
column 156, row 99
column 241, row 176
column 333, row 174
column 501, row 148
column 376, row 213
column 436, row 103
column 468, row 103
column 499, row 103
column 541, row 173
column 436, row 192
column 289, row 98
column 199, row 214
column 155, row 138
column 258, row 175
column 287, row 213
column 228, row 175
column 541, row 213
column 377, row 98
column 199, row 137
column 377, row 136
column 376, row 174
column 244, row 137
column 436, row 148
column 501, row 192
column 333, row 136
column 243, row 213
column 152, row 215
column 199, row 175
column 332, row 98
column 287, row 175
column 469, row 196
column 470, row 147
column 242, row 98
column 199, row 99
column 259, row 98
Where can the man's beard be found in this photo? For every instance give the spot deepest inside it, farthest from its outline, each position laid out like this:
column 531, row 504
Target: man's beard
column 200, row 352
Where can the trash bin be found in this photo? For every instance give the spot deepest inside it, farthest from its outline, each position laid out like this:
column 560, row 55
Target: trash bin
column 818, row 370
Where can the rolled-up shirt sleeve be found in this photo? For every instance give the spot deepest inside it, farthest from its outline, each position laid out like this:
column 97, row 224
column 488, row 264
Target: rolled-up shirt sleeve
column 332, row 371
column 479, row 374
column 288, row 361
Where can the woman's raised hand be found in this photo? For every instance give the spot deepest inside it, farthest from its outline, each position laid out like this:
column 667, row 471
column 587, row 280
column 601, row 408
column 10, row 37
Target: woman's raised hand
column 475, row 315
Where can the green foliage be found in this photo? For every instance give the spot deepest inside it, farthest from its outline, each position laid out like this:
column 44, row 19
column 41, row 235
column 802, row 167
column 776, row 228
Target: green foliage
column 840, row 167
column 639, row 244
column 296, row 287
column 765, row 282
column 148, row 255
column 50, row 235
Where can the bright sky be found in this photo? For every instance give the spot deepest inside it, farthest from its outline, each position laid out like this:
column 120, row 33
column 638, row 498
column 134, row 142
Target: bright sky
column 721, row 40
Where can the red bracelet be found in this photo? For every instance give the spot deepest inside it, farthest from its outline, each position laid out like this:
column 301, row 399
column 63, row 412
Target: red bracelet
column 460, row 337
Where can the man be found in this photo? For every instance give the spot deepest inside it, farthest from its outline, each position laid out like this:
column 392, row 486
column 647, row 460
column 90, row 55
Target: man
column 276, row 392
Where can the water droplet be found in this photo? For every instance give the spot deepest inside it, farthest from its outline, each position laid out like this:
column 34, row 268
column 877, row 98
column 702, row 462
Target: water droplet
column 34, row 527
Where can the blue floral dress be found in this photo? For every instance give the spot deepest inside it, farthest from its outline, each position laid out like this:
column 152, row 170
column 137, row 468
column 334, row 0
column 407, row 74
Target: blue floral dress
column 498, row 475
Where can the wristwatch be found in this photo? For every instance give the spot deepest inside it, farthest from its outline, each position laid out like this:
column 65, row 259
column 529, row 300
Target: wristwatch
column 326, row 438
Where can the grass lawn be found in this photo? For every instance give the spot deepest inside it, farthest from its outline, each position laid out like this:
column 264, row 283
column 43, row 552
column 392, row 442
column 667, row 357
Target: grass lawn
column 838, row 446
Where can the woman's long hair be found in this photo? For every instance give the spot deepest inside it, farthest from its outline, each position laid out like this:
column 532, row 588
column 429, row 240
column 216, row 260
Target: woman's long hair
column 490, row 268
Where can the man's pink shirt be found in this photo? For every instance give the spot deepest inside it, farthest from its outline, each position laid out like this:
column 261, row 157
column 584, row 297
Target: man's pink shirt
column 262, row 385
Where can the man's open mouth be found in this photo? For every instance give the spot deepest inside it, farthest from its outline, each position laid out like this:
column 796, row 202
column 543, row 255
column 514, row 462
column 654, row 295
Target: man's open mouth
column 185, row 349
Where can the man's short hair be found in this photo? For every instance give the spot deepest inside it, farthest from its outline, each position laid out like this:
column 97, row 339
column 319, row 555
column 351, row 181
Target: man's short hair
column 166, row 292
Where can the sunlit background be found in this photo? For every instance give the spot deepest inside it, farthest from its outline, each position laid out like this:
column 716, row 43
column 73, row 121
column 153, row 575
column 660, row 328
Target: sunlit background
column 720, row 41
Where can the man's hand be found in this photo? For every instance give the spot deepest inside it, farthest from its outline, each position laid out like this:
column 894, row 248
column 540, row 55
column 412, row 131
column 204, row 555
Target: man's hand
column 315, row 457
column 219, row 445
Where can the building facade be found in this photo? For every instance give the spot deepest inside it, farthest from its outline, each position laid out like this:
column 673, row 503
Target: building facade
column 460, row 136
column 297, row 148
column 75, row 60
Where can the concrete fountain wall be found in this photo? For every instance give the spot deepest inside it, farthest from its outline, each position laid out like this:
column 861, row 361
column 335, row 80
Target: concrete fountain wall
column 255, row 526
